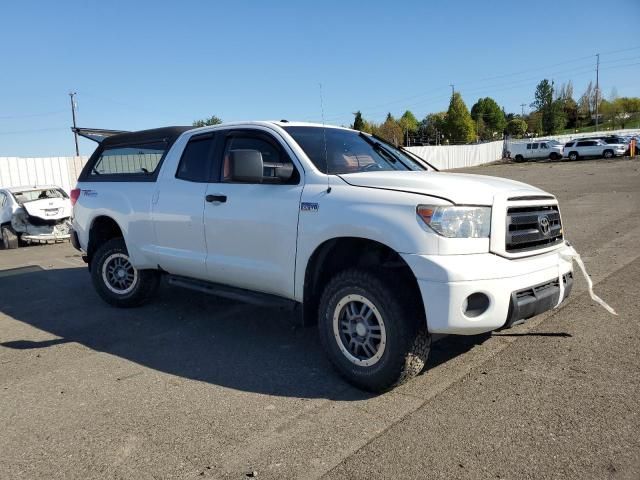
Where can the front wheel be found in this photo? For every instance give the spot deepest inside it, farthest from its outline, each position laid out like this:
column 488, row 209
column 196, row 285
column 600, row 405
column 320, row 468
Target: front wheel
column 115, row 278
column 573, row 156
column 374, row 339
column 607, row 154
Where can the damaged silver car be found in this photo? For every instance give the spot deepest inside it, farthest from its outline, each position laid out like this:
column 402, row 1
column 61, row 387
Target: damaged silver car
column 34, row 214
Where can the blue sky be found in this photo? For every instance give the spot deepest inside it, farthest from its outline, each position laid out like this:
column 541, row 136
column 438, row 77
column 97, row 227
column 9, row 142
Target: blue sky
column 143, row 64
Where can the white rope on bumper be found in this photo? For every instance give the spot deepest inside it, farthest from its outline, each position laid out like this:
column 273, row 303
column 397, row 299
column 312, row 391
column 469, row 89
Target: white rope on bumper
column 575, row 256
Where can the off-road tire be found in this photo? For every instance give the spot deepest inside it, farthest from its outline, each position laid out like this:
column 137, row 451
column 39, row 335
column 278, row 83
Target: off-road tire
column 608, row 154
column 145, row 286
column 519, row 159
column 9, row 238
column 407, row 339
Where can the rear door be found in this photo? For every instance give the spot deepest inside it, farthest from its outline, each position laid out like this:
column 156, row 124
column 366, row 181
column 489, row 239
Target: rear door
column 251, row 228
column 178, row 209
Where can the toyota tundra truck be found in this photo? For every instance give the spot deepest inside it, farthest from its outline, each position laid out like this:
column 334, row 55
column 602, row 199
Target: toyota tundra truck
column 357, row 235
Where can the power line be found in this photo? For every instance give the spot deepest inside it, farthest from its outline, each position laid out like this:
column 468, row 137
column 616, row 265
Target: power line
column 428, row 98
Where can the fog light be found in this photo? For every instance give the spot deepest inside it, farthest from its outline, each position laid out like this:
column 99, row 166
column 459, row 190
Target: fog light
column 475, row 305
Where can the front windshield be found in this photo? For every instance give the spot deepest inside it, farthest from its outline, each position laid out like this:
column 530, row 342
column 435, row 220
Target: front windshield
column 336, row 151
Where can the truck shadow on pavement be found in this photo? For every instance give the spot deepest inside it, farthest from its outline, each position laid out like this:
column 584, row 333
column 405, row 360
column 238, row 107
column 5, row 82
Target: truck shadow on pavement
column 187, row 334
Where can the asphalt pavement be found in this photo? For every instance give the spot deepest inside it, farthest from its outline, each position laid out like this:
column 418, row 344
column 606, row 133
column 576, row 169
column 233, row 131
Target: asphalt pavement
column 192, row 386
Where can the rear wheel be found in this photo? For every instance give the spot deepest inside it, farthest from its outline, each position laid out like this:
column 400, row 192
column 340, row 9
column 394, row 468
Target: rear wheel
column 519, row 158
column 370, row 331
column 115, row 278
column 573, row 156
column 607, row 154
column 9, row 238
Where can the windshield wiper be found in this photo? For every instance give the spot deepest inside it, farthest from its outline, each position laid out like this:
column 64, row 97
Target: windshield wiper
column 379, row 148
column 421, row 160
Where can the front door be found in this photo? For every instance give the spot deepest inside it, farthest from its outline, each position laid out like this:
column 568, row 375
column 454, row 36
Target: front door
column 251, row 228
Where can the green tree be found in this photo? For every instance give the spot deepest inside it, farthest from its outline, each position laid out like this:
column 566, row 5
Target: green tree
column 358, row 122
column 459, row 125
column 390, row 130
column 409, row 124
column 213, row 120
column 487, row 114
column 552, row 112
column 433, row 126
column 534, row 123
column 517, row 127
column 569, row 105
column 543, row 96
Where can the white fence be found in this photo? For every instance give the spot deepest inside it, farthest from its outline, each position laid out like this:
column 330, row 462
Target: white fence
column 60, row 171
column 445, row 157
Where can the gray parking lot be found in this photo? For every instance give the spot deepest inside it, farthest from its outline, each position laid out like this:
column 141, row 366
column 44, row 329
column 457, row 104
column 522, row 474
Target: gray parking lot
column 192, row 386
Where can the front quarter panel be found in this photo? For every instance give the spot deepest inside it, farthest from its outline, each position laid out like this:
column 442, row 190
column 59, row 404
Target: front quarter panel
column 385, row 216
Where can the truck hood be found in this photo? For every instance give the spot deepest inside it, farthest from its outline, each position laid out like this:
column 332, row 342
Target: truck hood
column 48, row 208
column 459, row 188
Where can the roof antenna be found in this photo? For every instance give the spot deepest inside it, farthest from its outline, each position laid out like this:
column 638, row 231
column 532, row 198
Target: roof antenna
column 324, row 135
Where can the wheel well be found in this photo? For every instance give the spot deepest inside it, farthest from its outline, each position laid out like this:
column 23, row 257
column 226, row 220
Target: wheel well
column 103, row 229
column 339, row 254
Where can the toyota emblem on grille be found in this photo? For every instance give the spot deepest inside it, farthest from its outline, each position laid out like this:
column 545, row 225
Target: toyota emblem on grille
column 544, row 225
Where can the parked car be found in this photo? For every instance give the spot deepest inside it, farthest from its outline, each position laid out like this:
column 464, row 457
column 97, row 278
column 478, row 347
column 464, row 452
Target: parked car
column 532, row 150
column 34, row 214
column 361, row 237
column 583, row 148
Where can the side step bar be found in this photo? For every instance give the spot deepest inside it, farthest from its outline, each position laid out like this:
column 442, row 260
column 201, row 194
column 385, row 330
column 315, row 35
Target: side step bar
column 232, row 293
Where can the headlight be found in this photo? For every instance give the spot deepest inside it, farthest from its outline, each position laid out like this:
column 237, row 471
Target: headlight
column 457, row 222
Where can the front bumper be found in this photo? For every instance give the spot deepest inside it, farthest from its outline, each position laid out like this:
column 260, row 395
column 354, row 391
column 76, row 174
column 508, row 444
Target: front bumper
column 447, row 281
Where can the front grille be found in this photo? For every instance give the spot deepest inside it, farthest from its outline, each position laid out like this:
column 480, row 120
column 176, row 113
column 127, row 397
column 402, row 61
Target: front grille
column 526, row 228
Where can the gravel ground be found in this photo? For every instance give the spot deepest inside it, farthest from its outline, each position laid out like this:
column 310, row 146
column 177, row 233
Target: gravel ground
column 192, row 386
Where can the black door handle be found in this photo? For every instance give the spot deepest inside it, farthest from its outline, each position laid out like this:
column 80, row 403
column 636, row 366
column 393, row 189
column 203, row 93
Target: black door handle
column 216, row 198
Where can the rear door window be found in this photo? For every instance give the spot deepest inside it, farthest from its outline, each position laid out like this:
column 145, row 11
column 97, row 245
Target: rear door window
column 195, row 163
column 534, row 146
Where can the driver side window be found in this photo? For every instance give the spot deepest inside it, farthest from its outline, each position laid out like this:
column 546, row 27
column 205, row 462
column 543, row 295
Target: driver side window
column 274, row 158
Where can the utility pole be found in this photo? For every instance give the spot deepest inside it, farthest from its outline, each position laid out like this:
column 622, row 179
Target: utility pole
column 73, row 114
column 522, row 105
column 453, row 89
column 597, row 86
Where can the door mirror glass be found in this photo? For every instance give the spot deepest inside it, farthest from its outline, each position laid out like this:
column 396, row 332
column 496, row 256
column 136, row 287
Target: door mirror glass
column 246, row 166
column 284, row 172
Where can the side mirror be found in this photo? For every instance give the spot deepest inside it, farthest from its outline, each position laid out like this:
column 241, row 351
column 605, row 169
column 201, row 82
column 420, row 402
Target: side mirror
column 246, row 166
column 284, row 172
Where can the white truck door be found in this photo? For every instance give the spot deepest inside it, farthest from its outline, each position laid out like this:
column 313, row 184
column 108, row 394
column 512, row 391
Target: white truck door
column 251, row 226
column 178, row 209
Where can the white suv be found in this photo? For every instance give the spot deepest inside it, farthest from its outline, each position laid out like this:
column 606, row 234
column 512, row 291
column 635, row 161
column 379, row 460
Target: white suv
column 575, row 149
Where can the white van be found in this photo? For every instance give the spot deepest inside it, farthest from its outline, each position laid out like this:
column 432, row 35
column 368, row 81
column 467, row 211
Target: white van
column 539, row 149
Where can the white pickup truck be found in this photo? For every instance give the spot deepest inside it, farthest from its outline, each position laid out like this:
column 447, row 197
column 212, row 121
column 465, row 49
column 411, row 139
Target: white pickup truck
column 364, row 238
